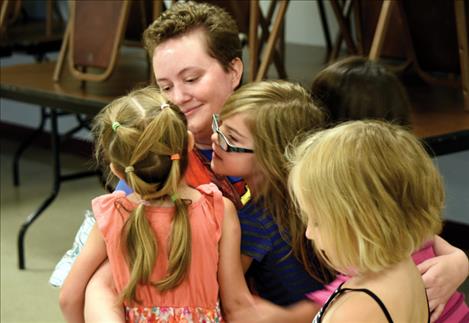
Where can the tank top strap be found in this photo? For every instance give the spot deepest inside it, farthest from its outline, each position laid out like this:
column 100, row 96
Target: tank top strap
column 341, row 290
column 373, row 296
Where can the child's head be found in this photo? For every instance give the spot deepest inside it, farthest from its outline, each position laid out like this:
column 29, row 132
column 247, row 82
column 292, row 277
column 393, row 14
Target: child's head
column 357, row 88
column 145, row 139
column 138, row 134
column 369, row 192
column 266, row 117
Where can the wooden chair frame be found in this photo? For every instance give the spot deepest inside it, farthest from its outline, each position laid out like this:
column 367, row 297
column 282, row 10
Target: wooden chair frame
column 68, row 46
column 462, row 35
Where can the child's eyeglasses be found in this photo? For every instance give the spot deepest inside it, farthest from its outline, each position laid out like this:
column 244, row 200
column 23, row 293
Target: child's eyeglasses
column 223, row 142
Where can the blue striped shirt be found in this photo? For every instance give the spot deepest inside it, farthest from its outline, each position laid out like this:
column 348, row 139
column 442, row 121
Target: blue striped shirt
column 282, row 282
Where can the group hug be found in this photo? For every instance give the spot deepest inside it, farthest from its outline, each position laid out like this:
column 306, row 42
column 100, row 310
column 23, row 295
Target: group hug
column 263, row 202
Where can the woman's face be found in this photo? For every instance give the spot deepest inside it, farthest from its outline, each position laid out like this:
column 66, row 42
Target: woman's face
column 194, row 81
column 237, row 164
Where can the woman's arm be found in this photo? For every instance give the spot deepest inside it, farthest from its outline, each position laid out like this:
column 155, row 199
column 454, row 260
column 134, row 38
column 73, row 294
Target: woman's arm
column 72, row 294
column 443, row 274
column 266, row 312
column 234, row 291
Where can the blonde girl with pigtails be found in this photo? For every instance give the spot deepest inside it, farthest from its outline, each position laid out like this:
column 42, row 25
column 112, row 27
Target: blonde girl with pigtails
column 171, row 248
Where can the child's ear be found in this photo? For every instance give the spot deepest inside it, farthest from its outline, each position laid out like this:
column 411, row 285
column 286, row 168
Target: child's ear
column 190, row 141
column 116, row 172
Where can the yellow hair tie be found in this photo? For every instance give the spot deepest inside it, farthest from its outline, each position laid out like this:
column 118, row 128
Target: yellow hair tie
column 129, row 169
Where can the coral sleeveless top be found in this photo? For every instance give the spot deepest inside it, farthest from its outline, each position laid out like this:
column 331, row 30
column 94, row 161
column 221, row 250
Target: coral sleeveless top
column 196, row 298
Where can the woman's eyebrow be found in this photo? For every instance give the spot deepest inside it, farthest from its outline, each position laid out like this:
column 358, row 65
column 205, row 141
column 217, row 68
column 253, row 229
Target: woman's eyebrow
column 180, row 73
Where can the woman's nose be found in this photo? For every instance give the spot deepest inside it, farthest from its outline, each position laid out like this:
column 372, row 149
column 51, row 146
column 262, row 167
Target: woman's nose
column 179, row 96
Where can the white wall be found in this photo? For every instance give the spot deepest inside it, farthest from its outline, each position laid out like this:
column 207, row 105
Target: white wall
column 303, row 26
column 303, row 22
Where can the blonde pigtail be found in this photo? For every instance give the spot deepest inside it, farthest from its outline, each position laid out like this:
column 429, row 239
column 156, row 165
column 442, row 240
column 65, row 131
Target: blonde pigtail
column 142, row 251
column 180, row 248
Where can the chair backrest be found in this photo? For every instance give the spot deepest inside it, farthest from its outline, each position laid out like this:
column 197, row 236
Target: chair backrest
column 96, row 32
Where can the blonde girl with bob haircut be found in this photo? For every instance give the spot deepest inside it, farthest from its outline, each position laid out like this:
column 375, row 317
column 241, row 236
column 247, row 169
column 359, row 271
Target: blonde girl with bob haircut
column 169, row 245
column 370, row 196
column 250, row 136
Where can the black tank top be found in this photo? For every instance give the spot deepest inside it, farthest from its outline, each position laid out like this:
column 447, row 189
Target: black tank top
column 339, row 291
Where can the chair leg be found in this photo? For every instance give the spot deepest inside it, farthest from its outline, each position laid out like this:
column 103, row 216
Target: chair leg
column 462, row 31
column 269, row 50
column 325, row 28
column 381, row 29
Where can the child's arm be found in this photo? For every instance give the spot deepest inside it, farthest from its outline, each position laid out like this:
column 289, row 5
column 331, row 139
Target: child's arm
column 266, row 312
column 73, row 290
column 234, row 292
column 443, row 274
column 102, row 303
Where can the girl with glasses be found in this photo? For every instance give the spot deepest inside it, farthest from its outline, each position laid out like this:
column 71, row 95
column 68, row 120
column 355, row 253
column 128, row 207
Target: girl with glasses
column 257, row 123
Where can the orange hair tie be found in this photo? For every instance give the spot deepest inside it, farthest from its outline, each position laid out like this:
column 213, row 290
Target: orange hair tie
column 175, row 157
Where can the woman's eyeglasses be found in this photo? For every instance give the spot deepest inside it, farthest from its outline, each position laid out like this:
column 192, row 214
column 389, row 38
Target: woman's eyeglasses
column 223, row 142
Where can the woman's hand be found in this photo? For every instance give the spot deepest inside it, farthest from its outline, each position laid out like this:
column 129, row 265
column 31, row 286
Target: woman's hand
column 443, row 274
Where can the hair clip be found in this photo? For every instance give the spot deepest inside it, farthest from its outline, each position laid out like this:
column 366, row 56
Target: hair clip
column 164, row 106
column 175, row 157
column 129, row 169
column 174, row 198
column 115, row 125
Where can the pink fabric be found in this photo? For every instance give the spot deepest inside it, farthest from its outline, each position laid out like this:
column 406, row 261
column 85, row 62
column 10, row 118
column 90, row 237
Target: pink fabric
column 200, row 288
column 455, row 311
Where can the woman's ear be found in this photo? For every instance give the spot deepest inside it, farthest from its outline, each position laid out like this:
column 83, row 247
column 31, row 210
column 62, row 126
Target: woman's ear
column 236, row 67
column 116, row 172
column 190, row 141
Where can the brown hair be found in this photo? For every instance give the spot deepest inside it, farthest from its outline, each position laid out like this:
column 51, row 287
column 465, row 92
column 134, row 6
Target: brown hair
column 221, row 30
column 138, row 134
column 277, row 113
column 357, row 88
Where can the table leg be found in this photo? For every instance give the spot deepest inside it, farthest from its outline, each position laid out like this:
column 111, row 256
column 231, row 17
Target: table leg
column 25, row 144
column 55, row 189
column 58, row 178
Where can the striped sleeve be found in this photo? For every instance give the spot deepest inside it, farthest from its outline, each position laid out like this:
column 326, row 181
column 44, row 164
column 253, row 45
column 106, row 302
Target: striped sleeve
column 255, row 232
